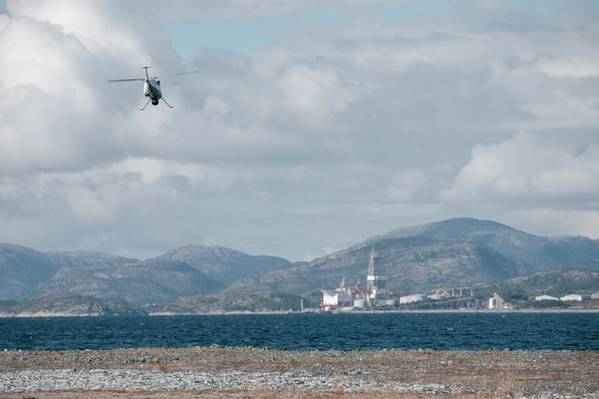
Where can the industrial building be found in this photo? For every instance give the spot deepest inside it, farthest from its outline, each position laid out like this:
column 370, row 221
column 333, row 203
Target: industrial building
column 376, row 294
column 546, row 298
column 436, row 297
column 404, row 300
column 339, row 298
column 572, row 298
column 496, row 302
column 442, row 294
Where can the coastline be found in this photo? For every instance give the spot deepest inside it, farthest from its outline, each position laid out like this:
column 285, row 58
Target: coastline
column 242, row 372
column 45, row 314
column 398, row 311
column 404, row 311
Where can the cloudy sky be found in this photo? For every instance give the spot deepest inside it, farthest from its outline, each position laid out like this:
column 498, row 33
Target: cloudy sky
column 310, row 126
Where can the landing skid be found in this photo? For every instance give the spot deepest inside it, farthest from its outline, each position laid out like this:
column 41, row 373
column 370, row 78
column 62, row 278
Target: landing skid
column 167, row 103
column 144, row 107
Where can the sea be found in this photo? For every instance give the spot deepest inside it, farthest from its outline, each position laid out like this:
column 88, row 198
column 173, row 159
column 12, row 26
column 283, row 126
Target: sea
column 443, row 331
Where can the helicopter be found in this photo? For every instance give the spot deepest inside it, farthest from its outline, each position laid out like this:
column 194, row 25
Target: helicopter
column 152, row 88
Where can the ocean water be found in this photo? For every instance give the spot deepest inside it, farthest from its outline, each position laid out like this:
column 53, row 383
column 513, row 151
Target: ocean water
column 455, row 331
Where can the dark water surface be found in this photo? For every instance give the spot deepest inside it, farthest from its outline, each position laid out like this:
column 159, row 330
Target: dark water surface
column 468, row 331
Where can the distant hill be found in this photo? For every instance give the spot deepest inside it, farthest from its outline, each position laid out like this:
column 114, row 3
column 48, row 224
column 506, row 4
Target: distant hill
column 532, row 252
column 454, row 252
column 410, row 264
column 28, row 274
column 218, row 303
column 559, row 282
column 223, row 264
column 22, row 270
column 70, row 305
column 136, row 282
column 451, row 253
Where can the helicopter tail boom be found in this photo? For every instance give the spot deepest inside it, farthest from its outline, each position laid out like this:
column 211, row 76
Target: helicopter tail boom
column 146, row 68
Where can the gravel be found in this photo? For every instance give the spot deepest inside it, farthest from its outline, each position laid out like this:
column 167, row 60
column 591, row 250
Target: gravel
column 144, row 380
column 250, row 372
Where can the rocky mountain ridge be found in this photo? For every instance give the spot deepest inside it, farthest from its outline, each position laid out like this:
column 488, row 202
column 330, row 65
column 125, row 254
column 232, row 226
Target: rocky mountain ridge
column 28, row 274
column 454, row 252
column 451, row 253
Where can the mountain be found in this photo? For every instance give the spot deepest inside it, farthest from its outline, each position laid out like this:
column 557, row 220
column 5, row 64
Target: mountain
column 29, row 274
column 534, row 253
column 558, row 282
column 409, row 263
column 452, row 253
column 456, row 252
column 136, row 282
column 219, row 303
column 223, row 264
column 70, row 305
column 22, row 270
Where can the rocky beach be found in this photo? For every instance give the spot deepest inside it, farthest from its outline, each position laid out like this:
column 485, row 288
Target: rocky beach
column 239, row 372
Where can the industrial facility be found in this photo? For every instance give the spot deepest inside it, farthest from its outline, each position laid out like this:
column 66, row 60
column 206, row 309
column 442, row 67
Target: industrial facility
column 376, row 295
column 496, row 302
column 546, row 298
column 339, row 298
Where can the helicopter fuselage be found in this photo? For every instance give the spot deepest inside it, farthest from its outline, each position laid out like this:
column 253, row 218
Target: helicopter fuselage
column 152, row 89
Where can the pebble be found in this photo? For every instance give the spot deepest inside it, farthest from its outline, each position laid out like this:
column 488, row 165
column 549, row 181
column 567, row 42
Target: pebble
column 134, row 380
column 428, row 372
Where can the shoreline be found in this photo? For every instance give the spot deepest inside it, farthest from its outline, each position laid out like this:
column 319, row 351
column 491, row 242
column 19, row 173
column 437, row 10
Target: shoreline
column 235, row 313
column 241, row 372
column 399, row 311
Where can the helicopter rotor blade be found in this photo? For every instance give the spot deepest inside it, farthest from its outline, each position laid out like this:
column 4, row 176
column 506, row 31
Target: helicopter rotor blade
column 182, row 73
column 126, row 80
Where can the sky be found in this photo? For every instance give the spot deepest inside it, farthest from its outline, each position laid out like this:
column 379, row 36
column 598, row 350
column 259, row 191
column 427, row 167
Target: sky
column 307, row 127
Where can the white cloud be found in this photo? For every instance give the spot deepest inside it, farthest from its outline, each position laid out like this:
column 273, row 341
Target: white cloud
column 92, row 23
column 579, row 67
column 409, row 185
column 347, row 127
column 315, row 94
column 151, row 171
column 526, row 167
column 88, row 206
column 558, row 222
column 51, row 112
column 3, row 21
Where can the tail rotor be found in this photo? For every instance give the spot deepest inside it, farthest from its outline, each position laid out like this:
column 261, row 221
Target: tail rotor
column 146, row 68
